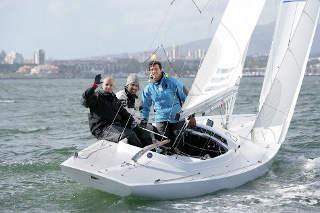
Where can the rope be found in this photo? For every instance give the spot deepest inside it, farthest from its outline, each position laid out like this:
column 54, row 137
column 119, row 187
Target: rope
column 175, row 141
column 125, row 126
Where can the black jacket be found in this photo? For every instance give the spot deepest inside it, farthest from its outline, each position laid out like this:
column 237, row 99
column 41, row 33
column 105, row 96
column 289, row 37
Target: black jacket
column 105, row 109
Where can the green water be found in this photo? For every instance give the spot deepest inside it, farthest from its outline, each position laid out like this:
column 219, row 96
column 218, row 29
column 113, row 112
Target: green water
column 42, row 124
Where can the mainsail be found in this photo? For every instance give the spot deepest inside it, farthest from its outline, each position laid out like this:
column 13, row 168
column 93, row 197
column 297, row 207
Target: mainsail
column 276, row 112
column 288, row 17
column 218, row 77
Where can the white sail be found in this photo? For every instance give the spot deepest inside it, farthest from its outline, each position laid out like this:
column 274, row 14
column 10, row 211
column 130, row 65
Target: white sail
column 209, row 157
column 288, row 17
column 218, row 78
column 275, row 116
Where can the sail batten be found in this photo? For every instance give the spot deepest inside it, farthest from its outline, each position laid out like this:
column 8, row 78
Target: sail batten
column 221, row 69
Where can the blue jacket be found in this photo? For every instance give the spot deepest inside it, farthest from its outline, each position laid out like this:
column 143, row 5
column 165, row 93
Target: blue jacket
column 167, row 96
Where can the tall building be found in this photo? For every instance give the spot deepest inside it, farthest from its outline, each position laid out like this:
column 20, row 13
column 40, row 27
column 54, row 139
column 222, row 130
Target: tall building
column 14, row 58
column 2, row 55
column 39, row 57
column 200, row 53
column 176, row 51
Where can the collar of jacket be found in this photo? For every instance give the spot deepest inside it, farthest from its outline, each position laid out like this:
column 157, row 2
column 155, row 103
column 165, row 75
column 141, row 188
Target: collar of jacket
column 164, row 75
column 129, row 95
column 106, row 93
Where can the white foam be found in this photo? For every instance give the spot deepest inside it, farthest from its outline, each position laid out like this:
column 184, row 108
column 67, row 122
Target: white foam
column 7, row 101
column 272, row 176
column 313, row 164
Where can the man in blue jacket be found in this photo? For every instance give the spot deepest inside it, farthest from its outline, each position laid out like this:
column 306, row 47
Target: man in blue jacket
column 167, row 95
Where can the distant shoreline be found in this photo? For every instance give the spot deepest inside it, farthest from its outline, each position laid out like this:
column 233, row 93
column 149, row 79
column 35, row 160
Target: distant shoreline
column 42, row 77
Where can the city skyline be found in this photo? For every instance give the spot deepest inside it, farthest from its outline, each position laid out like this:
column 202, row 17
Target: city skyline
column 80, row 29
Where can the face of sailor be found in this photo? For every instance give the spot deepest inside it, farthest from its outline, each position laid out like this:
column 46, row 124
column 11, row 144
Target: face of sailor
column 155, row 72
column 133, row 88
column 108, row 84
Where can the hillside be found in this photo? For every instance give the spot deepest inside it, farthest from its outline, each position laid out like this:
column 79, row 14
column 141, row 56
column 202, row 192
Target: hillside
column 260, row 41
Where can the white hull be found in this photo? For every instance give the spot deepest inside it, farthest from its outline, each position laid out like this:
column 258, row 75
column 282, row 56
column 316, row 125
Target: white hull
column 214, row 158
column 109, row 167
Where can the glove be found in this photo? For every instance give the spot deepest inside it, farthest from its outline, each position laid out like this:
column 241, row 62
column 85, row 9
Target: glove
column 143, row 123
column 134, row 124
column 97, row 79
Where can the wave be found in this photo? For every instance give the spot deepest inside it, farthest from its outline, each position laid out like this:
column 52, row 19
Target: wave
column 312, row 163
column 29, row 166
column 6, row 101
column 18, row 131
column 67, row 151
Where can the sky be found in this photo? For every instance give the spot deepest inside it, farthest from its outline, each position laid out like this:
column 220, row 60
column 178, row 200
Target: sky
column 69, row 29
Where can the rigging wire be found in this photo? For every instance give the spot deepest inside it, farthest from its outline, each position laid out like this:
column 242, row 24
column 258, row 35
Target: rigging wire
column 239, row 63
column 193, row 36
column 152, row 42
column 109, row 131
column 165, row 16
column 195, row 30
column 154, row 52
column 170, row 61
column 211, row 23
column 196, row 6
column 165, row 36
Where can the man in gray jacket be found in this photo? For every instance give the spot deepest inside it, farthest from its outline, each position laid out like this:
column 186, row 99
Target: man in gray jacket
column 127, row 96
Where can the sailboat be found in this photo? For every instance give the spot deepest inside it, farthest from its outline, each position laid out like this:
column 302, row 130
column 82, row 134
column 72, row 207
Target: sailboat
column 216, row 154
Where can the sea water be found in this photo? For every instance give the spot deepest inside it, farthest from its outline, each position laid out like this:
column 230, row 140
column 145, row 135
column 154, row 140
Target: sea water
column 42, row 124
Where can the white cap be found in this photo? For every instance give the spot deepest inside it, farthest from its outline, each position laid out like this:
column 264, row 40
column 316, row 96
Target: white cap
column 133, row 78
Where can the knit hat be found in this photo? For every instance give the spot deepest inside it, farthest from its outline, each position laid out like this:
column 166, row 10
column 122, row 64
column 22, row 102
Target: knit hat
column 133, row 78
